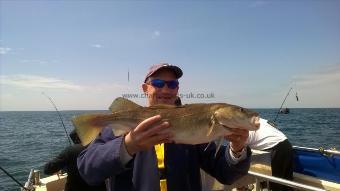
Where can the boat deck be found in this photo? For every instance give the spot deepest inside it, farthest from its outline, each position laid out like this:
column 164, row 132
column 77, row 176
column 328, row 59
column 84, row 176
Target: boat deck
column 52, row 183
column 260, row 165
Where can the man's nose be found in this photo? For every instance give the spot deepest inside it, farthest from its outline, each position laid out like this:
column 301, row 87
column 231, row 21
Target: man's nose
column 166, row 88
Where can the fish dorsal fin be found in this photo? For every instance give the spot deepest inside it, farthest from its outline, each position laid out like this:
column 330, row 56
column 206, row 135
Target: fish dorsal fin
column 122, row 104
column 163, row 106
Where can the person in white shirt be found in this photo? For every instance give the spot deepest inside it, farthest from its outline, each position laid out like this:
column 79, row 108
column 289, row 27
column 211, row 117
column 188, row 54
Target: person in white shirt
column 268, row 138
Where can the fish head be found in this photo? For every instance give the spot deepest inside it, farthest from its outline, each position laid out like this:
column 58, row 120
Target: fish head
column 236, row 117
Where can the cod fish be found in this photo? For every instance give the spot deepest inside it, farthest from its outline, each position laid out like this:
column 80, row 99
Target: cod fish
column 190, row 123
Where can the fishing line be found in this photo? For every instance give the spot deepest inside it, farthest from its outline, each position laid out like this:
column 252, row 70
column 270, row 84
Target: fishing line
column 128, row 75
column 15, row 180
column 61, row 119
column 296, row 94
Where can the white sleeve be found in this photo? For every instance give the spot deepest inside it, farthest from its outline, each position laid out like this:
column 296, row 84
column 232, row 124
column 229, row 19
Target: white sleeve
column 125, row 157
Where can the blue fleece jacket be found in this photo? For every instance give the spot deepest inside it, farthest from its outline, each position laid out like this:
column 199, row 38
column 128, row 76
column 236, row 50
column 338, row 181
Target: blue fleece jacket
column 101, row 160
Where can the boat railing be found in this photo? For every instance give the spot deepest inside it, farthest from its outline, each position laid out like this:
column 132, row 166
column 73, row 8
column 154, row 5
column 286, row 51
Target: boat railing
column 321, row 150
column 33, row 179
column 281, row 181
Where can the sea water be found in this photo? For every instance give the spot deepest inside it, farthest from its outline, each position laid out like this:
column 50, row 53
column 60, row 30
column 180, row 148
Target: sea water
column 29, row 139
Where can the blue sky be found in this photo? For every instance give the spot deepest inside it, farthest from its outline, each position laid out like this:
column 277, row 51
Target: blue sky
column 247, row 53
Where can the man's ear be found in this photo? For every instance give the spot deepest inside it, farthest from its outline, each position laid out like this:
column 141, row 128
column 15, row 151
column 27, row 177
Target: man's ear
column 145, row 88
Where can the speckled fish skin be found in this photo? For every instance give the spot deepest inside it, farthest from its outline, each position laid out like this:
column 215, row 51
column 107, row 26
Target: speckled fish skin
column 190, row 123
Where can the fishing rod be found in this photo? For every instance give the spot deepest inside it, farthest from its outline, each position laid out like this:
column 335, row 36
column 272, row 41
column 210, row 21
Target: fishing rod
column 278, row 112
column 15, row 180
column 61, row 119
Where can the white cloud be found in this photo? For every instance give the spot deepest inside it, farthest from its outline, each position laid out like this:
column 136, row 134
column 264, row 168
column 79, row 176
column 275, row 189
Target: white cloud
column 32, row 81
column 34, row 61
column 156, row 34
column 319, row 88
column 96, row 45
column 4, row 50
column 327, row 76
column 23, row 92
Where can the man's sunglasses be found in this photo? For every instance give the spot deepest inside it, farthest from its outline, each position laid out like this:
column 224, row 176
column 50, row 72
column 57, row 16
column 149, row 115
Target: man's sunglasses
column 172, row 84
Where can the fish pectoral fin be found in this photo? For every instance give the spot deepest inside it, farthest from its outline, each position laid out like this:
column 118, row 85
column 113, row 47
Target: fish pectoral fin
column 122, row 104
column 212, row 125
column 205, row 149
column 210, row 130
column 219, row 143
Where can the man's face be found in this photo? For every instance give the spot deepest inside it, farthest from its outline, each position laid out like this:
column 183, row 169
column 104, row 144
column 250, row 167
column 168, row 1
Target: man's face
column 163, row 95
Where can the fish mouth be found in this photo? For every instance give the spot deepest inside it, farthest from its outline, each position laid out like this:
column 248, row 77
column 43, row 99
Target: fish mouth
column 225, row 126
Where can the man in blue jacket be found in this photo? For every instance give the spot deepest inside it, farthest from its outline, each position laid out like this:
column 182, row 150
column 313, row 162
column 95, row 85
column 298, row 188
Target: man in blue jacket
column 129, row 162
